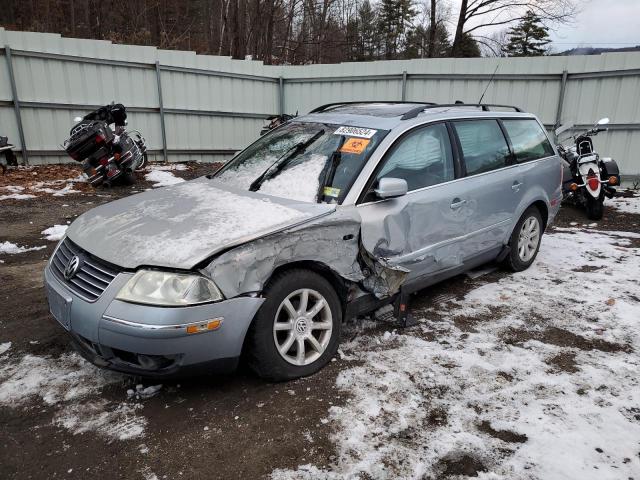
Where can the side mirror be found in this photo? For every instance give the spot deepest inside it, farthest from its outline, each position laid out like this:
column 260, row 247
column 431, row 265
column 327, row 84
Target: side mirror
column 603, row 121
column 389, row 187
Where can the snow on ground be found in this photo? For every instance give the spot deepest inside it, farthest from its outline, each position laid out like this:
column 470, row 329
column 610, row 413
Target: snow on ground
column 14, row 192
column 534, row 376
column 72, row 387
column 55, row 233
column 162, row 176
column 12, row 248
column 625, row 204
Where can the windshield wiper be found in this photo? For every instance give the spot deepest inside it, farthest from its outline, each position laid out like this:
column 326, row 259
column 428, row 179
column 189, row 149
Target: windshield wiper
column 281, row 162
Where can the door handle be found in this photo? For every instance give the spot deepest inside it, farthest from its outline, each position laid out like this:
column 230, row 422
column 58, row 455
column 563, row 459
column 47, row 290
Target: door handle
column 457, row 203
column 516, row 186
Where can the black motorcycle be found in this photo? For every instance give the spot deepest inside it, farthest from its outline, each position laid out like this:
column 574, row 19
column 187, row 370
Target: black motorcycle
column 108, row 153
column 275, row 121
column 586, row 177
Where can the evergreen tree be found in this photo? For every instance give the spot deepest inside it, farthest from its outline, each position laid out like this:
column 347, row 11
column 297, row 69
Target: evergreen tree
column 394, row 19
column 418, row 42
column 468, row 47
column 529, row 38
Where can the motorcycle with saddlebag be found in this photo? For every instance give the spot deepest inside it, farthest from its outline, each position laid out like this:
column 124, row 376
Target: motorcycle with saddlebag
column 587, row 178
column 108, row 152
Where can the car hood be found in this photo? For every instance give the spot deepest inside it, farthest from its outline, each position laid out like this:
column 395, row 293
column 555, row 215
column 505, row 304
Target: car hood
column 182, row 225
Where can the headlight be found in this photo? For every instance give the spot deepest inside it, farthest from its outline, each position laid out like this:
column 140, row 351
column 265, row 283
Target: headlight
column 169, row 289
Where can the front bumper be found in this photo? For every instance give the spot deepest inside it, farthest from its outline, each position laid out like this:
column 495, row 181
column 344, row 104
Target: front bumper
column 147, row 340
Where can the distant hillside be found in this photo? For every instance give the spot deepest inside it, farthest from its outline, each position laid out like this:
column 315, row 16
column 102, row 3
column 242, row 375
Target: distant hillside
column 597, row 51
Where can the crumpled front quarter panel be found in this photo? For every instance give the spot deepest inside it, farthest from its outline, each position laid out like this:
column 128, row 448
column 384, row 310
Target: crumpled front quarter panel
column 332, row 240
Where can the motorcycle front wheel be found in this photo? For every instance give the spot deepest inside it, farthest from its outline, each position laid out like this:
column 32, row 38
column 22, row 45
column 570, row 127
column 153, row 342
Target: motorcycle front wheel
column 595, row 208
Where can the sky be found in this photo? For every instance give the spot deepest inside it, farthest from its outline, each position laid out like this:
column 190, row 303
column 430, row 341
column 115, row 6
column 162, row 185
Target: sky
column 600, row 23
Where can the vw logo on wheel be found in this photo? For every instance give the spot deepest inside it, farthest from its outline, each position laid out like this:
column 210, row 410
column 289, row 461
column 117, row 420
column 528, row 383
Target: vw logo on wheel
column 72, row 267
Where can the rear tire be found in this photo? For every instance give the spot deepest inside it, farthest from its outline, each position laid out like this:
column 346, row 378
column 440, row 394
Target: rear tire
column 595, row 208
column 285, row 322
column 525, row 241
column 128, row 178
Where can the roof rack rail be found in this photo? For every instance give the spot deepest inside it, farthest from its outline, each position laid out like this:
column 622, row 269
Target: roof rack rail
column 486, row 107
column 324, row 108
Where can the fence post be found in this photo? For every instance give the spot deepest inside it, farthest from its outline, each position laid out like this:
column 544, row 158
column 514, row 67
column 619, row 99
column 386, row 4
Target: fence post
column 160, row 103
column 16, row 104
column 404, row 85
column 281, row 96
column 563, row 87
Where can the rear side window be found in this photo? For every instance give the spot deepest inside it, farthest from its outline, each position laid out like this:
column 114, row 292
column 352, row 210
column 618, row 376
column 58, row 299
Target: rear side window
column 528, row 140
column 423, row 158
column 484, row 147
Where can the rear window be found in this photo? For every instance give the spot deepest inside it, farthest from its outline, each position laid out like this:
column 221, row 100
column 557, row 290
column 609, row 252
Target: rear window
column 528, row 140
column 484, row 147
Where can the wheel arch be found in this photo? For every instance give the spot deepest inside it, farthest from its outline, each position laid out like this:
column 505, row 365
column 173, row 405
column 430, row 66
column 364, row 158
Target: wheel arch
column 339, row 284
column 544, row 212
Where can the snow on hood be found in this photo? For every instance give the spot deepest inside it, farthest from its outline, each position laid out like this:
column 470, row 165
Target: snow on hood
column 182, row 225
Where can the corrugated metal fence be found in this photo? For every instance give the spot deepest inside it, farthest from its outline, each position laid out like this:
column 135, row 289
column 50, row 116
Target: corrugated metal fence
column 198, row 107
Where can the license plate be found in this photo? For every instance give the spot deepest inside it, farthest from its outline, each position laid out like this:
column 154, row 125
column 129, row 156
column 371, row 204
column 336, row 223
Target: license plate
column 59, row 307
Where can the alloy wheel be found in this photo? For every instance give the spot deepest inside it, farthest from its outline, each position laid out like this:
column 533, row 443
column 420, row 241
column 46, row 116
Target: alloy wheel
column 529, row 238
column 302, row 327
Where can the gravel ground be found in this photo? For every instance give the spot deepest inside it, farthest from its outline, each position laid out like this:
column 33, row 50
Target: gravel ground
column 63, row 418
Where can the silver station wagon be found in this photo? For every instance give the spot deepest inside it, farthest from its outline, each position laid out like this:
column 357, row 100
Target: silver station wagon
column 334, row 214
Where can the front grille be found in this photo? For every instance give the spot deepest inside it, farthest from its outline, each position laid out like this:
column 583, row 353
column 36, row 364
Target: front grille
column 93, row 276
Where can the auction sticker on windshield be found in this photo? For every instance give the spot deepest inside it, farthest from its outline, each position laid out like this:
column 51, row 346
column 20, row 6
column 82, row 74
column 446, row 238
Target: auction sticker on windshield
column 355, row 132
column 354, row 145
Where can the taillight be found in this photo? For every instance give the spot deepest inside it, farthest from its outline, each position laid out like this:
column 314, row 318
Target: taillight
column 104, row 161
column 593, row 182
column 100, row 138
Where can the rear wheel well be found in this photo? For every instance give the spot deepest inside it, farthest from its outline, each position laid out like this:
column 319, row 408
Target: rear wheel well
column 544, row 212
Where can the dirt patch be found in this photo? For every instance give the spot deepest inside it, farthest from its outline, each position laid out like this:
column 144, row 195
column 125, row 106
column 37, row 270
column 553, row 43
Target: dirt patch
column 562, row 338
column 437, row 417
column 504, row 435
column 564, row 362
column 459, row 464
column 587, row 269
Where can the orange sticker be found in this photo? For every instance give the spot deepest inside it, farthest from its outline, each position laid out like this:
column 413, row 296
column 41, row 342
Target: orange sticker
column 354, row 145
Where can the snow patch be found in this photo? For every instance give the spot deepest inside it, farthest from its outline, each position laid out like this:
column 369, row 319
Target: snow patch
column 67, row 384
column 162, row 178
column 4, row 347
column 55, row 233
column 17, row 196
column 12, row 249
column 626, row 204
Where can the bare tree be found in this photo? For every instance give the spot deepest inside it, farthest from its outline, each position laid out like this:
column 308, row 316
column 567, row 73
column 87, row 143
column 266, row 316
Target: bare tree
column 475, row 15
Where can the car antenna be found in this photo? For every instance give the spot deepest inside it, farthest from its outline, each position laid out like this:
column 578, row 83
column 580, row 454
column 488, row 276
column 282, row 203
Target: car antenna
column 487, row 87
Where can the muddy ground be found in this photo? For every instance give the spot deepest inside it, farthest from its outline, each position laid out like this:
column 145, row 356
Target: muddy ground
column 228, row 427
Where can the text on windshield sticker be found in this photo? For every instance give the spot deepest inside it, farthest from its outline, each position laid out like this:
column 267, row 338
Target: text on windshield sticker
column 355, row 132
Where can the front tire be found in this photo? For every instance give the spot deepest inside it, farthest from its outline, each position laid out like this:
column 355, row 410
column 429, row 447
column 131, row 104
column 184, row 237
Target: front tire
column 525, row 241
column 296, row 332
column 595, row 208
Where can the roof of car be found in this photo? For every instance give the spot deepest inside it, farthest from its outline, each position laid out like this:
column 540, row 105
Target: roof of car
column 388, row 115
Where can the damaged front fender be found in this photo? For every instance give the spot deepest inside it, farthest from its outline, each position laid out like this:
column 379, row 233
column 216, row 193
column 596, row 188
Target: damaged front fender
column 333, row 241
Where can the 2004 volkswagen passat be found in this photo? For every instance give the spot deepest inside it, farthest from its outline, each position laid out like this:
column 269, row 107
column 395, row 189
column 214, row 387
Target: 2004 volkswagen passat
column 334, row 214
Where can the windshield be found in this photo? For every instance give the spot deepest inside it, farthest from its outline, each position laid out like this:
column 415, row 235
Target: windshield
column 309, row 162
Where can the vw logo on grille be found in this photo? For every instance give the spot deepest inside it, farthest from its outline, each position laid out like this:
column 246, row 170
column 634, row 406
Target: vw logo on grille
column 72, row 267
